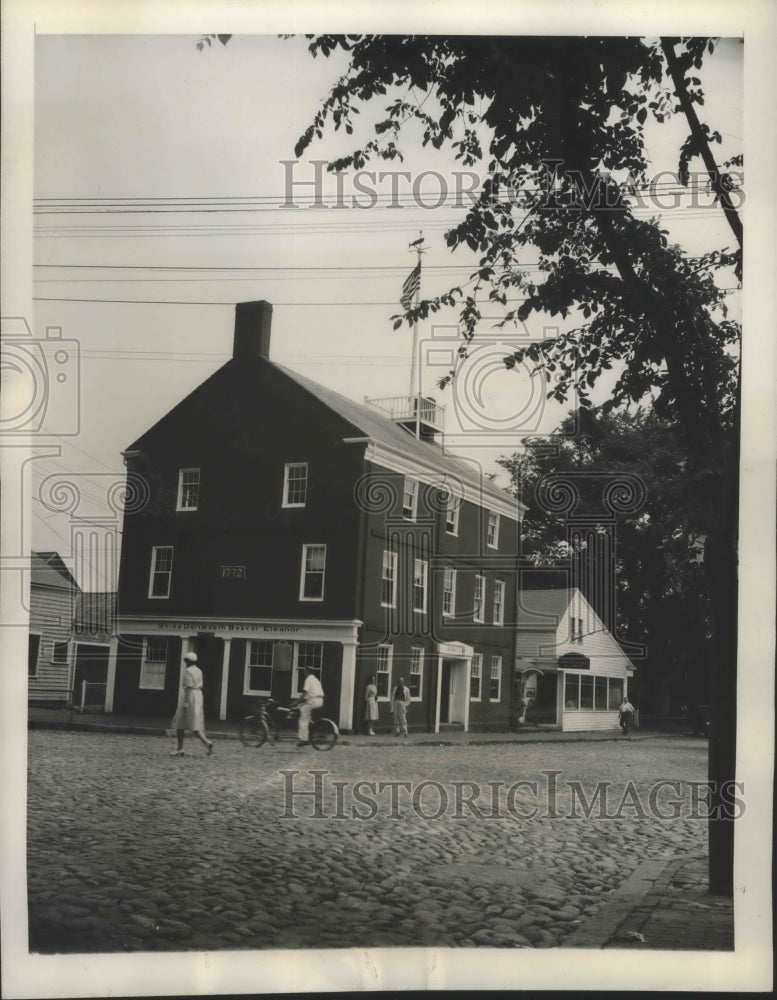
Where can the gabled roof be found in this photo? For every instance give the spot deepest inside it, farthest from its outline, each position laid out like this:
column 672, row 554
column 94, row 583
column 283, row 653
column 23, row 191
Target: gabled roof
column 385, row 432
column 543, row 608
column 48, row 570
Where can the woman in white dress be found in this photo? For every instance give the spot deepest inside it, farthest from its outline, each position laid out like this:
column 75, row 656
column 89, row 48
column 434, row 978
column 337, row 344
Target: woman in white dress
column 189, row 714
column 371, row 705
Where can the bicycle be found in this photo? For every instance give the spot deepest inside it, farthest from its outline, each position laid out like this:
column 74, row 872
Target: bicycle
column 272, row 720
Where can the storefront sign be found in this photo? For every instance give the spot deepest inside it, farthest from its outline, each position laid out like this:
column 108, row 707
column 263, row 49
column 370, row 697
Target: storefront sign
column 282, row 657
column 574, row 661
column 453, row 649
column 196, row 626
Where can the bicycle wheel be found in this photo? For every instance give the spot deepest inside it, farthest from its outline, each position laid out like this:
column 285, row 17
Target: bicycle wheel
column 253, row 732
column 323, row 734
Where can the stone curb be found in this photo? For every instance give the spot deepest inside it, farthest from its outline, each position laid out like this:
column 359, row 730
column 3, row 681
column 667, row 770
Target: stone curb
column 654, row 874
column 351, row 741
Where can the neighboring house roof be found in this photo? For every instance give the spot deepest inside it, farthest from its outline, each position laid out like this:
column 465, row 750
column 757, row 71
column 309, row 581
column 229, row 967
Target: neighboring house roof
column 48, row 570
column 543, row 608
column 95, row 612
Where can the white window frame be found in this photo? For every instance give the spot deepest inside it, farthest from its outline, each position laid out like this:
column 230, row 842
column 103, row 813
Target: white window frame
column 247, row 689
column 392, row 577
column 477, row 658
column 452, row 512
column 410, row 486
column 492, row 536
column 143, row 682
column 424, row 584
column 479, row 615
column 286, row 469
column 304, row 571
column 496, row 661
column 155, row 550
column 299, row 678
column 39, row 637
column 449, row 592
column 387, row 649
column 416, row 660
column 179, row 501
column 499, row 602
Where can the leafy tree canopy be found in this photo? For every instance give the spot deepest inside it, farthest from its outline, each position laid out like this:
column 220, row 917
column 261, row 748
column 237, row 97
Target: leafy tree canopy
column 562, row 118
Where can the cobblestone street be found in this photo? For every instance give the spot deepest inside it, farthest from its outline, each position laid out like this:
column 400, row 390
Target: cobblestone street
column 130, row 849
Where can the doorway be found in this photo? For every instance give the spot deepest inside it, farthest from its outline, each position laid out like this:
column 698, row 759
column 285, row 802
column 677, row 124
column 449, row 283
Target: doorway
column 454, row 684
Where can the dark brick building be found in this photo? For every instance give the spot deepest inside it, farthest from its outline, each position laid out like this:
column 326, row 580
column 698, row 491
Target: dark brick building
column 281, row 525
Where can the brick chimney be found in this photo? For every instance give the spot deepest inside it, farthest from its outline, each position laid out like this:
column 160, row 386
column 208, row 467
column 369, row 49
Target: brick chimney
column 253, row 322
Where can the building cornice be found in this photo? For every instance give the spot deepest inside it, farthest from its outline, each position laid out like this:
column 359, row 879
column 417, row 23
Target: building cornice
column 396, row 461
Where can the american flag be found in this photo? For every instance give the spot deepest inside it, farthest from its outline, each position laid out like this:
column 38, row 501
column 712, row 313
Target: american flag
column 411, row 286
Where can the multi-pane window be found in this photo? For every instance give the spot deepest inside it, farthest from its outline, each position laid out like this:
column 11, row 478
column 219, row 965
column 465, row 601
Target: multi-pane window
column 572, row 691
column 410, row 498
column 480, row 598
column 420, row 573
column 577, row 628
column 388, row 584
column 591, row 692
column 495, row 685
column 492, row 534
column 383, row 670
column 60, row 652
column 154, row 665
column 614, row 692
column 161, row 571
column 33, row 651
column 295, row 484
column 415, row 681
column 475, row 676
column 499, row 602
column 449, row 591
column 188, row 489
column 258, row 669
column 452, row 514
column 311, row 586
column 309, row 655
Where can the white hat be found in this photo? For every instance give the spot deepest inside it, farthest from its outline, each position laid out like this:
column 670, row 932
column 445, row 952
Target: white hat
column 191, row 657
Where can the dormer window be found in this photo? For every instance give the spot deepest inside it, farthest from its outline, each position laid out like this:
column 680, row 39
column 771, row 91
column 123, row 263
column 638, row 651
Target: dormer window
column 295, row 484
column 188, row 489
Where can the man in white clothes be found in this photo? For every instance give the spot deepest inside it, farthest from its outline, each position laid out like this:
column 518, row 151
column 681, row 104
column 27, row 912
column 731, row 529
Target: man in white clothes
column 312, row 698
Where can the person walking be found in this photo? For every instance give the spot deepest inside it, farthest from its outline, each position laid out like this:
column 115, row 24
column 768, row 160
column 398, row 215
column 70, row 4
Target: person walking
column 371, row 705
column 626, row 715
column 399, row 702
column 190, row 714
column 312, row 698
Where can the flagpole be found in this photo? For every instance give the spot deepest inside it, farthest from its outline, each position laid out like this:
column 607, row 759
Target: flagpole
column 415, row 367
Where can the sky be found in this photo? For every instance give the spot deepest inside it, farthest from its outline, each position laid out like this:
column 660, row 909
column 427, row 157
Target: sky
column 152, row 135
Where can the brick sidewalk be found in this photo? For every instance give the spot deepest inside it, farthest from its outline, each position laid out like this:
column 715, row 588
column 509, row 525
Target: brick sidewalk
column 665, row 905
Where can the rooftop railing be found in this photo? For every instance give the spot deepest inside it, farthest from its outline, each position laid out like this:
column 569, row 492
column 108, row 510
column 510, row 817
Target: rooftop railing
column 405, row 407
